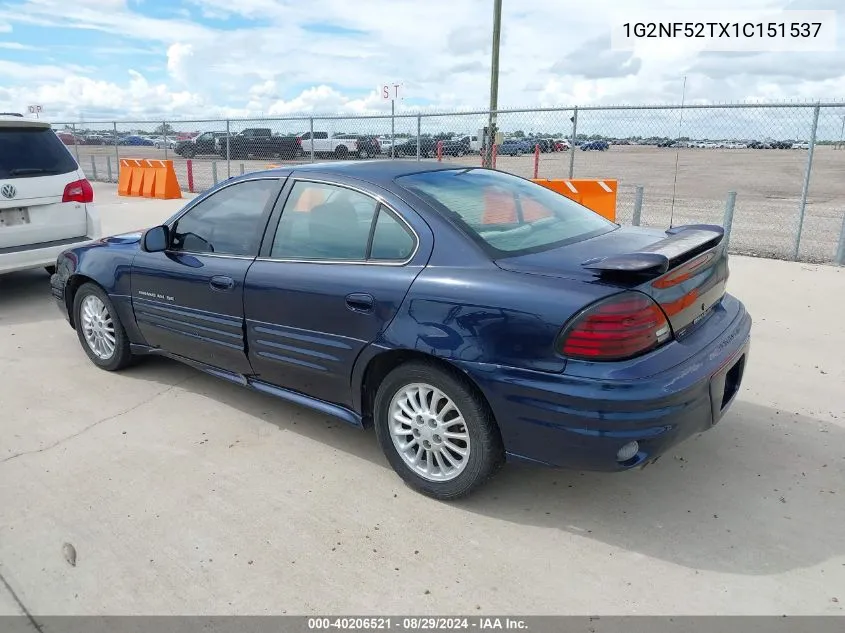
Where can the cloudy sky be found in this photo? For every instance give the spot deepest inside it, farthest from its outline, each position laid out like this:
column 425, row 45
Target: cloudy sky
column 105, row 59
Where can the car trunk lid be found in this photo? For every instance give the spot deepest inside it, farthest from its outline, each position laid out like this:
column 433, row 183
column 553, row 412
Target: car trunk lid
column 684, row 269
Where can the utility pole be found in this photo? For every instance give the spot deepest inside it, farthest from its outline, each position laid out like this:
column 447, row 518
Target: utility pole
column 494, row 85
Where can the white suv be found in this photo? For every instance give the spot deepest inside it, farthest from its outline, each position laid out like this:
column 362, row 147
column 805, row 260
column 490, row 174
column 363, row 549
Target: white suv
column 45, row 199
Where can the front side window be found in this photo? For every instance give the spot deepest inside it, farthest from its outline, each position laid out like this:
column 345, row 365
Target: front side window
column 507, row 215
column 229, row 222
column 323, row 222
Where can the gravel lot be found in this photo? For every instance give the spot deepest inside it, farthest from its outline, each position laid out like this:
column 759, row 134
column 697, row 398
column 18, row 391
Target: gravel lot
column 185, row 494
column 768, row 185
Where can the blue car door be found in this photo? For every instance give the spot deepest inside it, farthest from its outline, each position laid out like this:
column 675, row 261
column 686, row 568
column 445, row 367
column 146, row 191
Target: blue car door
column 335, row 266
column 188, row 300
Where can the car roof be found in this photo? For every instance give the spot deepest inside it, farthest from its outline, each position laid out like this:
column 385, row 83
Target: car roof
column 16, row 121
column 375, row 171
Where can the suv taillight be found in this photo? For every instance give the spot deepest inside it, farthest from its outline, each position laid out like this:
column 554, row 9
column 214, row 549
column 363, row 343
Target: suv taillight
column 617, row 328
column 78, row 191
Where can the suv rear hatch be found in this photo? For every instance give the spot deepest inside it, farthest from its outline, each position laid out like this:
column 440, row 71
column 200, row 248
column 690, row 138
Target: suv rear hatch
column 35, row 171
column 684, row 269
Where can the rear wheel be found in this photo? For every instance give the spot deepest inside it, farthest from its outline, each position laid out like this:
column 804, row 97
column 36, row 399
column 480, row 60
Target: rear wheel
column 363, row 154
column 99, row 328
column 341, row 152
column 437, row 434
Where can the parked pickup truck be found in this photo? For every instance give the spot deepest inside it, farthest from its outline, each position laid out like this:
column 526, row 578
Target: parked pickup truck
column 260, row 142
column 340, row 145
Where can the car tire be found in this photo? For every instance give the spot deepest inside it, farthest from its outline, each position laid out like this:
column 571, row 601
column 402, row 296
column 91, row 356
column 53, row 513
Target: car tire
column 460, row 153
column 459, row 475
column 341, row 152
column 95, row 317
column 430, row 153
column 189, row 152
column 363, row 154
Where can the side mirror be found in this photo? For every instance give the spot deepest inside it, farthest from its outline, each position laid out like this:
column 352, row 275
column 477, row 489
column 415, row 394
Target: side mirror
column 156, row 239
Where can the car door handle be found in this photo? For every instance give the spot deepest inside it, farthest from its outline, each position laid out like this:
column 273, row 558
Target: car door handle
column 221, row 282
column 360, row 302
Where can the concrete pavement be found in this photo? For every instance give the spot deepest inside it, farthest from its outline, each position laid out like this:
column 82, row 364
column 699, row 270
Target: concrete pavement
column 183, row 494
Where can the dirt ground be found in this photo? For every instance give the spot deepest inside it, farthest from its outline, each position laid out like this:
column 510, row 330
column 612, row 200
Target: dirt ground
column 768, row 184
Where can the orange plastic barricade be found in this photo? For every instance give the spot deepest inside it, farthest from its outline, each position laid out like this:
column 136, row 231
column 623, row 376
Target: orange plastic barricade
column 166, row 186
column 138, row 174
column 596, row 195
column 148, row 178
column 148, row 188
column 124, row 177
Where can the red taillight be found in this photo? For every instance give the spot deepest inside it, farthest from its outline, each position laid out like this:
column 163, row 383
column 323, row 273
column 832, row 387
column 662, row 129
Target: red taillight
column 78, row 191
column 299, row 141
column 620, row 327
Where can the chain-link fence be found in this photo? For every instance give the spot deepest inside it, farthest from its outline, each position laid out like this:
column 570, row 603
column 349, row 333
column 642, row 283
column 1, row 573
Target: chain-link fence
column 775, row 173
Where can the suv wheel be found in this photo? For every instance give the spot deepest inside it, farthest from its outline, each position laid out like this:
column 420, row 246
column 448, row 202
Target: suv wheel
column 341, row 152
column 437, row 434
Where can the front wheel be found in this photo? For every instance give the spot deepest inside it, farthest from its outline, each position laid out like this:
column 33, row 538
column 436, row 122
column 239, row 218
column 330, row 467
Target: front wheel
column 341, row 152
column 99, row 328
column 435, row 431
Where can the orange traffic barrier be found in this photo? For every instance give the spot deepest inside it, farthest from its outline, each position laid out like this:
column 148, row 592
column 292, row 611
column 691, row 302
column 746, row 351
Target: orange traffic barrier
column 148, row 179
column 597, row 195
column 124, row 177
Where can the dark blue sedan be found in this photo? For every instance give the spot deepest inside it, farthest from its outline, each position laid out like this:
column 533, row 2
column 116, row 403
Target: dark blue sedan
column 466, row 314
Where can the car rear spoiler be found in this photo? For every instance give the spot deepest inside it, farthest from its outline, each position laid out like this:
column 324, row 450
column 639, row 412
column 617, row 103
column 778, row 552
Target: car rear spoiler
column 682, row 244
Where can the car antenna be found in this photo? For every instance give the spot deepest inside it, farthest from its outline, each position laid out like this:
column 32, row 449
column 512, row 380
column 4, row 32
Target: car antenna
column 677, row 152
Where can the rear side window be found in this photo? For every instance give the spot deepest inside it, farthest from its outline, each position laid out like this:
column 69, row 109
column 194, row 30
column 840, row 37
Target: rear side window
column 505, row 214
column 31, row 152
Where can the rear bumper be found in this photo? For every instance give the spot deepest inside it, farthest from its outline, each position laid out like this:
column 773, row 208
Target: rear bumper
column 37, row 255
column 581, row 423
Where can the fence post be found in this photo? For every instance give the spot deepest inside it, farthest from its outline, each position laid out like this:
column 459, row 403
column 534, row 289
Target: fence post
column 392, row 128
column 419, row 131
column 108, row 168
column 728, row 220
column 574, row 143
column 311, row 130
column 228, row 163
column 638, row 206
column 164, row 134
column 93, row 168
column 536, row 160
column 242, row 169
column 189, row 164
column 806, row 188
column 840, row 251
column 214, row 171
column 116, row 147
column 75, row 142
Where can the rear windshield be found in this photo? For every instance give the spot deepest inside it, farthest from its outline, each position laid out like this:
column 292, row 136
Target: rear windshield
column 507, row 215
column 29, row 152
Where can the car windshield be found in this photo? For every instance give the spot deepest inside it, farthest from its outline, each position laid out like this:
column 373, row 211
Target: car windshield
column 34, row 151
column 507, row 215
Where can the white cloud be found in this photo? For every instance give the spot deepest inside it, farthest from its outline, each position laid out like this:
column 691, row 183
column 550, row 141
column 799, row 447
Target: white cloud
column 287, row 61
column 17, row 46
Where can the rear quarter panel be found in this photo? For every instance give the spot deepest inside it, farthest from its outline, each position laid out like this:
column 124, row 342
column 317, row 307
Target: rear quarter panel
column 487, row 315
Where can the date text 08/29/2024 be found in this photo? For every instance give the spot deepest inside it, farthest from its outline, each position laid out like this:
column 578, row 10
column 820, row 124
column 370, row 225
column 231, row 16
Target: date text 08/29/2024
column 468, row 315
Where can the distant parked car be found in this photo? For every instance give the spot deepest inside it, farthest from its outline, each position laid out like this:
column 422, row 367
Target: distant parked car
column 135, row 140
column 204, row 144
column 562, row 145
column 428, row 147
column 458, row 146
column 65, row 137
column 800, row 145
column 515, row 147
column 160, row 142
column 600, row 146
